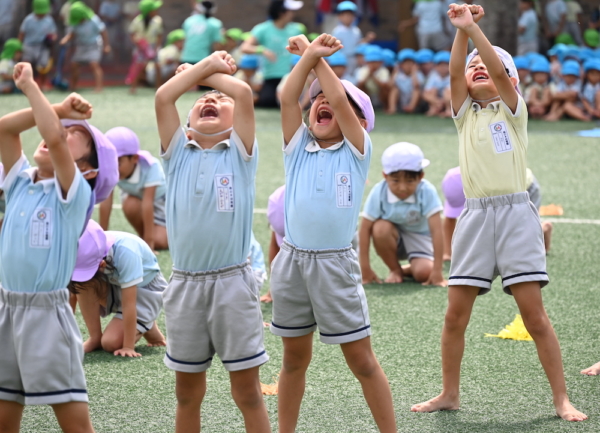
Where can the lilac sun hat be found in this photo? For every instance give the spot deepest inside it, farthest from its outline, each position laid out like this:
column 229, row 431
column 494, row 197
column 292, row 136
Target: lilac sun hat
column 358, row 96
column 452, row 188
column 93, row 246
column 275, row 213
column 505, row 58
column 108, row 163
column 127, row 143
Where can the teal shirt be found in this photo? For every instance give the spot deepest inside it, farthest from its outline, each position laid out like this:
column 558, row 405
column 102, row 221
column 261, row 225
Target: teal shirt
column 200, row 35
column 275, row 39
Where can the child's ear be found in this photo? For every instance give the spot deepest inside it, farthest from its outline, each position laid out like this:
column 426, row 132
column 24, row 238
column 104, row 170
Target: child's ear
column 421, row 175
column 363, row 123
column 102, row 265
column 135, row 158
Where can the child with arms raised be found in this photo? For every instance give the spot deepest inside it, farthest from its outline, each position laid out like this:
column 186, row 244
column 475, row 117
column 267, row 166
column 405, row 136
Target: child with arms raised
column 46, row 207
column 211, row 304
column 499, row 230
column 315, row 277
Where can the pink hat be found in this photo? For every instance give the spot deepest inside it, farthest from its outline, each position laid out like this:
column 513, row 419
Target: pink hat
column 93, row 247
column 275, row 215
column 452, row 188
column 108, row 163
column 127, row 143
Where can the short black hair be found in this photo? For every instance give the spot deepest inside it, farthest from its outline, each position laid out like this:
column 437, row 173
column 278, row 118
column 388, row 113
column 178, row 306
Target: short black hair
column 410, row 175
column 276, row 9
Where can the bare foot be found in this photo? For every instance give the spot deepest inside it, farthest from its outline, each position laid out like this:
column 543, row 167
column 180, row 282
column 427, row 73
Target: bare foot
column 567, row 412
column 594, row 370
column 395, row 277
column 440, row 402
column 90, row 345
column 154, row 337
column 266, row 298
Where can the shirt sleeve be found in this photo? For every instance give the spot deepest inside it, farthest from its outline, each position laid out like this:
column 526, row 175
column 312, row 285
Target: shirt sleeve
column 128, row 264
column 155, row 176
column 372, row 209
column 100, row 26
column 171, row 155
column 9, row 180
column 432, row 82
column 23, row 27
column 247, row 163
column 519, row 117
column 460, row 116
column 431, row 203
column 258, row 33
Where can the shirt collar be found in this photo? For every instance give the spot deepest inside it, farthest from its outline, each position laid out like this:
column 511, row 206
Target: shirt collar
column 219, row 146
column 391, row 198
column 47, row 184
column 135, row 176
column 313, row 146
column 495, row 106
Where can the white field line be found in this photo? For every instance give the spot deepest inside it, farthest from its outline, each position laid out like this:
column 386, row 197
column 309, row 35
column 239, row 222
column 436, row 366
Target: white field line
column 259, row 210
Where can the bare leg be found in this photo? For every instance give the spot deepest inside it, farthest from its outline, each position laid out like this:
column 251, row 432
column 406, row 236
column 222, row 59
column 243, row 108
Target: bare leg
column 547, row 229
column 297, row 353
column 376, row 388
column 594, row 370
column 74, row 75
column 73, row 417
column 10, row 416
column 90, row 310
column 385, row 240
column 460, row 305
column 246, row 392
column 112, row 337
column 132, row 208
column 73, row 301
column 556, row 112
column 529, row 300
column 154, row 337
column 448, row 226
column 575, row 112
column 98, row 76
column 189, row 390
column 419, row 268
column 161, row 242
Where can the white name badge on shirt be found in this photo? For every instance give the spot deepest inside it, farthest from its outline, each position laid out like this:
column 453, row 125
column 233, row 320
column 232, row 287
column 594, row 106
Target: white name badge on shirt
column 224, row 186
column 343, row 183
column 40, row 230
column 501, row 137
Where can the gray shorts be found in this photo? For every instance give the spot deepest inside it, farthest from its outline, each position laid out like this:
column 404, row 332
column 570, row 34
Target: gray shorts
column 87, row 53
column 213, row 312
column 148, row 303
column 38, row 55
column 494, row 236
column 159, row 209
column 321, row 288
column 412, row 245
column 41, row 350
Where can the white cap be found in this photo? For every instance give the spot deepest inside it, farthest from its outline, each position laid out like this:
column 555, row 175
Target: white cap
column 403, row 156
column 292, row 5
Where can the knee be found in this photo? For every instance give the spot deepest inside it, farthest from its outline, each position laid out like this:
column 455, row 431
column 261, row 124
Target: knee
column 383, row 230
column 247, row 396
column 421, row 273
column 187, row 395
column 455, row 321
column 111, row 343
column 365, row 366
column 295, row 363
column 537, row 324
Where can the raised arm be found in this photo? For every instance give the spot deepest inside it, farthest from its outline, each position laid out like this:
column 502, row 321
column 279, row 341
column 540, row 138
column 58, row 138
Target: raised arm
column 458, row 83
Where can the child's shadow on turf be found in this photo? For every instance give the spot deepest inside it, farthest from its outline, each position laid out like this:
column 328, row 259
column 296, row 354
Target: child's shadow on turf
column 407, row 288
column 447, row 421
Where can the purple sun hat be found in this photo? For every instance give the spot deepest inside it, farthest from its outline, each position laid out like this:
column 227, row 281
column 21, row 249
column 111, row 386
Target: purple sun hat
column 93, row 246
column 452, row 188
column 358, row 96
column 505, row 58
column 275, row 213
column 127, row 143
column 108, row 163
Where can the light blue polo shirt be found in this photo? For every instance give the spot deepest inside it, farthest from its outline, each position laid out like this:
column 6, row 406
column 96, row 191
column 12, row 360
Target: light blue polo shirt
column 36, row 29
column 134, row 262
column 145, row 176
column 200, row 35
column 589, row 92
column 436, row 81
column 324, row 189
column 431, row 17
column 350, row 38
column 411, row 214
column 529, row 21
column 404, row 83
column 88, row 32
column 38, row 242
column 210, row 200
column 275, row 39
column 564, row 87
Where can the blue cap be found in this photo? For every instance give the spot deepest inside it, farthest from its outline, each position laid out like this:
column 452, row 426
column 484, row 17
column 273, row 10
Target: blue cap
column 441, row 57
column 337, row 59
column 294, row 59
column 592, row 65
column 571, row 53
column 540, row 65
column 248, row 61
column 361, row 49
column 570, row 67
column 586, row 53
column 521, row 62
column 557, row 50
column 424, row 55
column 532, row 57
column 346, row 6
column 389, row 57
column 407, row 54
column 374, row 54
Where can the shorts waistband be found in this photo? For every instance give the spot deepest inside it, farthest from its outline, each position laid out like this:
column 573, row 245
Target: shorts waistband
column 497, row 201
column 45, row 300
column 332, row 252
column 207, row 275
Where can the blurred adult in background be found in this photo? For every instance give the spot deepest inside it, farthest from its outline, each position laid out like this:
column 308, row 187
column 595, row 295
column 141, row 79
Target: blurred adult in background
column 429, row 16
column 527, row 41
column 203, row 33
column 573, row 19
column 269, row 40
column 556, row 19
column 110, row 13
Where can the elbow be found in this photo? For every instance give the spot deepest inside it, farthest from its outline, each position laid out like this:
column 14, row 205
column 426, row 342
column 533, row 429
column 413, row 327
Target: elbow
column 56, row 138
column 162, row 97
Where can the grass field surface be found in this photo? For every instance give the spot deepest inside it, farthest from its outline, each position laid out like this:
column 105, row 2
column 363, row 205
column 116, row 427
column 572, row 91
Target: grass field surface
column 503, row 386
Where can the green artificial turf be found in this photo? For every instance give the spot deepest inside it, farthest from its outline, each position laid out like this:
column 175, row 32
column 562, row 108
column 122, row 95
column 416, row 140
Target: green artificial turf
column 503, row 386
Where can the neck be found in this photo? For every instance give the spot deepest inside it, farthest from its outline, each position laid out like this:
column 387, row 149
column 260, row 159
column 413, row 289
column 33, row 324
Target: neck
column 280, row 23
column 43, row 174
column 485, row 100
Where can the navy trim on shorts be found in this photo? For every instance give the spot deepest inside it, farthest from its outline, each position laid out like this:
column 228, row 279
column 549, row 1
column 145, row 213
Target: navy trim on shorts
column 523, row 274
column 346, row 333
column 470, row 278
column 244, row 359
column 292, row 327
column 42, row 394
column 187, row 362
column 138, row 322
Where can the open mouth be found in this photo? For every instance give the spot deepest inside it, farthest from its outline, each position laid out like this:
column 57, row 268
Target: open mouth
column 324, row 116
column 480, row 76
column 209, row 111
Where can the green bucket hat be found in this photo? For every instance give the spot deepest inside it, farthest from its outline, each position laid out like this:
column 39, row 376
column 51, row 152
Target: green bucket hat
column 565, row 38
column 41, row 7
column 312, row 36
column 302, row 29
column 591, row 37
column 147, row 6
column 79, row 12
column 246, row 35
column 175, row 36
column 235, row 34
column 11, row 46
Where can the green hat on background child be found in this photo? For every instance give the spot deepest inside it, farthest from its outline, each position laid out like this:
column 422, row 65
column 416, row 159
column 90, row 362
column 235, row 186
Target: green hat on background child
column 79, row 12
column 147, row 6
column 41, row 7
column 175, row 36
column 235, row 34
column 11, row 46
column 565, row 38
column 312, row 36
column 591, row 37
column 246, row 35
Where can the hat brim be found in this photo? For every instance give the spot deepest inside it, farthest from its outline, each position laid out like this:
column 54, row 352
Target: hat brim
column 82, row 275
column 293, row 5
column 452, row 211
